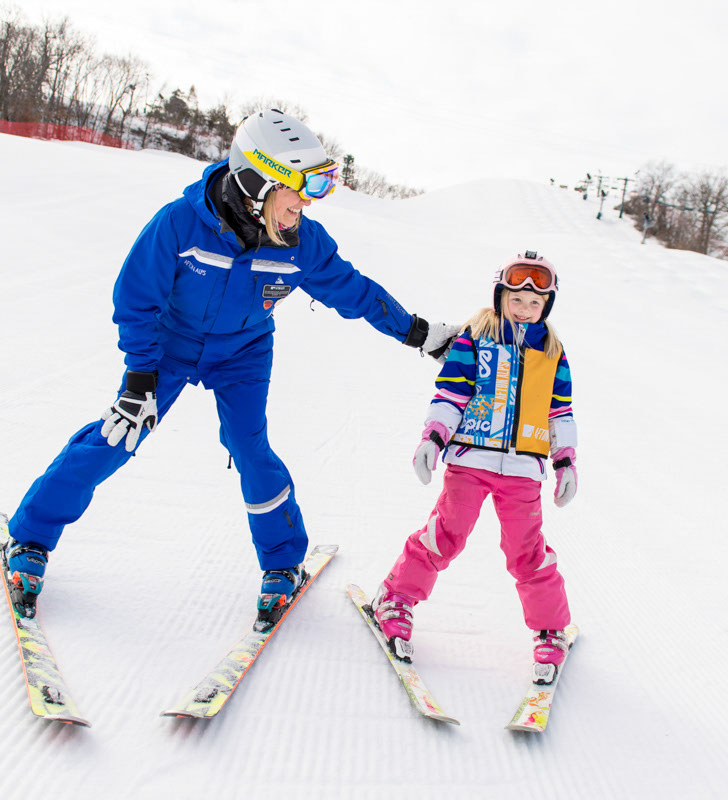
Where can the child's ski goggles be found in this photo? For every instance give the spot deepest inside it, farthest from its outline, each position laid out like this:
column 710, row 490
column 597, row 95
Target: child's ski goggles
column 519, row 276
column 312, row 183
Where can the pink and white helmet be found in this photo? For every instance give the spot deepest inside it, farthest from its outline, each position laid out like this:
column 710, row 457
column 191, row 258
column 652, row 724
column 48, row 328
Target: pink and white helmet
column 529, row 271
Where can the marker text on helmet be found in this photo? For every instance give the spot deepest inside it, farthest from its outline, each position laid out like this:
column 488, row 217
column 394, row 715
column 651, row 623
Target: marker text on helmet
column 271, row 163
column 269, row 166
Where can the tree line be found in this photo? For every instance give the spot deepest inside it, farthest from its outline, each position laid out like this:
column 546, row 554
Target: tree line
column 51, row 73
column 684, row 211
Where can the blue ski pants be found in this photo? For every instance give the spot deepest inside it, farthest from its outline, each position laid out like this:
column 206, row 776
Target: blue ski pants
column 64, row 491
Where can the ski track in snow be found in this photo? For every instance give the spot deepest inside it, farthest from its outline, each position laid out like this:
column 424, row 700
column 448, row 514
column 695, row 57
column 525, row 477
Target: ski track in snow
column 162, row 572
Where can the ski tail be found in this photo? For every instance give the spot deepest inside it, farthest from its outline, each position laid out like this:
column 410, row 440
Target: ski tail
column 216, row 688
column 417, row 692
column 532, row 715
column 47, row 693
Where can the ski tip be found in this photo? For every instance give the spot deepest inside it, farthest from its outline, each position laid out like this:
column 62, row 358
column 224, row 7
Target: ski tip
column 328, row 549
column 525, row 728
column 179, row 714
column 66, row 719
column 442, row 718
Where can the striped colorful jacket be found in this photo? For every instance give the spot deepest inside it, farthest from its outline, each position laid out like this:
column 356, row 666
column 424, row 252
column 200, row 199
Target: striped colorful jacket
column 507, row 398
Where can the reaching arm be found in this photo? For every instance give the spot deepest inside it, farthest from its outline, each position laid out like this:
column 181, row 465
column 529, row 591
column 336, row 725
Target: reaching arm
column 335, row 283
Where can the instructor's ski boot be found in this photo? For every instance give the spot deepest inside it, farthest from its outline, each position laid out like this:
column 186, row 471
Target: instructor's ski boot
column 393, row 613
column 549, row 652
column 24, row 566
column 279, row 587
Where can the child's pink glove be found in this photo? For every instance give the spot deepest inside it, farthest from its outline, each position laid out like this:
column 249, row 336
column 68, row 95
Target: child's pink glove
column 564, row 461
column 434, row 438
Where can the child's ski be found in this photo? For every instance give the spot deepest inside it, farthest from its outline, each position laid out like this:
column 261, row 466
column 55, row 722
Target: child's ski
column 216, row 688
column 47, row 692
column 418, row 693
column 533, row 713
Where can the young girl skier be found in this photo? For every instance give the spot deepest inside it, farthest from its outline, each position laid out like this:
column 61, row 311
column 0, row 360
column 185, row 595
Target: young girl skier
column 503, row 400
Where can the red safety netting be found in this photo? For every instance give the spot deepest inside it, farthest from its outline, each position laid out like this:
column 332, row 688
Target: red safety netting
column 67, row 133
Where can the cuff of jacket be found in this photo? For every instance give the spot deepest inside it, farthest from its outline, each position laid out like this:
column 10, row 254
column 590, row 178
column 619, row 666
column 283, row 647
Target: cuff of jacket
column 417, row 332
column 141, row 382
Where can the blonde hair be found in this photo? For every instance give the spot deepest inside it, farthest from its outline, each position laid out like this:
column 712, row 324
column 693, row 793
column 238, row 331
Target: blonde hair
column 271, row 221
column 487, row 322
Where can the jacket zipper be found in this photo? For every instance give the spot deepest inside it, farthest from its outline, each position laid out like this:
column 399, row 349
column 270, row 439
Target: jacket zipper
column 519, row 386
column 252, row 306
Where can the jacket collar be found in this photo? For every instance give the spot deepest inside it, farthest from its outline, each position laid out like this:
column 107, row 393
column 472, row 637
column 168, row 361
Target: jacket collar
column 218, row 201
column 533, row 333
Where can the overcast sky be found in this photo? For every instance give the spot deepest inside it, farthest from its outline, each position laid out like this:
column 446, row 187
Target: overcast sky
column 431, row 93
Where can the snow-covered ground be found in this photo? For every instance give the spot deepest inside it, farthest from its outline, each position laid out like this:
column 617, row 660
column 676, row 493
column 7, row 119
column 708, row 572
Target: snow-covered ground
column 158, row 580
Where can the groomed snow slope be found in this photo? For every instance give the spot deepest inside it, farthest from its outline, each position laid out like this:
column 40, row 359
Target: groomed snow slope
column 155, row 583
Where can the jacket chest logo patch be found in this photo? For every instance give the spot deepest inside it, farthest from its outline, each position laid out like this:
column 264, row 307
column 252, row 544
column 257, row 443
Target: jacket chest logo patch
column 276, row 291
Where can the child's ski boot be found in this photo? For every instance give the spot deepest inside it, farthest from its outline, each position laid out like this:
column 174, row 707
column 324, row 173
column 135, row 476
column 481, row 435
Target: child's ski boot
column 549, row 652
column 279, row 587
column 393, row 613
column 24, row 565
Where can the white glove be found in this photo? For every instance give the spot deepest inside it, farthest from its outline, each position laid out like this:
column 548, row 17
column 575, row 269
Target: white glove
column 566, row 477
column 135, row 408
column 438, row 342
column 434, row 438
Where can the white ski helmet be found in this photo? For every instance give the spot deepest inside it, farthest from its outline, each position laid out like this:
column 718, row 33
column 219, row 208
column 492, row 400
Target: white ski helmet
column 272, row 148
column 528, row 271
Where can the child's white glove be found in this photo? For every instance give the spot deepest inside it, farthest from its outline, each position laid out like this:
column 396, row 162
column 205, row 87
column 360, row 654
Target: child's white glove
column 440, row 337
column 434, row 438
column 434, row 339
column 564, row 462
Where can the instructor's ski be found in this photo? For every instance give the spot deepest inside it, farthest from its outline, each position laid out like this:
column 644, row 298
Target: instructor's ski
column 533, row 713
column 47, row 692
column 216, row 688
column 418, row 693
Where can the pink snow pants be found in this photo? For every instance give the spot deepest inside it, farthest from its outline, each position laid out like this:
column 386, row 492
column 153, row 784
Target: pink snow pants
column 529, row 559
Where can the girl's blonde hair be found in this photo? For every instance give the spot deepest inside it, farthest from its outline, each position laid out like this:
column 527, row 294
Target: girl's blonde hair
column 270, row 220
column 487, row 322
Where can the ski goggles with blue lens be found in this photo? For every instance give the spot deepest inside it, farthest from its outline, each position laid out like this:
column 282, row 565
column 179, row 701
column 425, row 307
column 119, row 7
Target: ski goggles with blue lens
column 318, row 182
column 312, row 183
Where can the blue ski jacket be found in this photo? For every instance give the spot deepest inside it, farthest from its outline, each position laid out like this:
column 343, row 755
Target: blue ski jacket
column 192, row 300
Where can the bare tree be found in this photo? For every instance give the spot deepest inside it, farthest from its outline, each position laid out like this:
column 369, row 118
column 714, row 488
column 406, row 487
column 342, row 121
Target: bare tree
column 332, row 147
column 656, row 182
column 86, row 89
column 259, row 104
column 60, row 48
column 371, row 182
column 122, row 77
column 708, row 194
column 20, row 96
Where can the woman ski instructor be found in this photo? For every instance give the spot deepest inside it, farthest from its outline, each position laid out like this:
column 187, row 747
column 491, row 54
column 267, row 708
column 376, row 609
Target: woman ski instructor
column 194, row 303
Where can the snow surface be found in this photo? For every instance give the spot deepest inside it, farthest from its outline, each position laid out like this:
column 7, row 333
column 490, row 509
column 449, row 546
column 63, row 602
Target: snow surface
column 158, row 579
